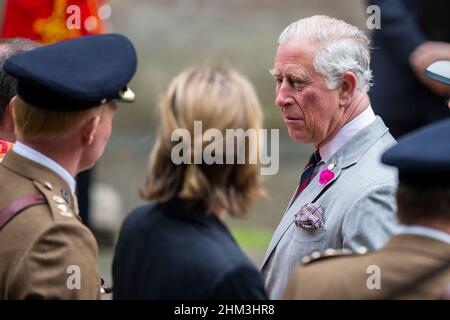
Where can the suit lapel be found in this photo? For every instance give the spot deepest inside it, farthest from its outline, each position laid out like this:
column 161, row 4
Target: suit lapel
column 344, row 158
column 310, row 194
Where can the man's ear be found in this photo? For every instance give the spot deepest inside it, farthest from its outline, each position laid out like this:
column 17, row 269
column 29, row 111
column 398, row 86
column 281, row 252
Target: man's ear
column 10, row 109
column 89, row 129
column 348, row 88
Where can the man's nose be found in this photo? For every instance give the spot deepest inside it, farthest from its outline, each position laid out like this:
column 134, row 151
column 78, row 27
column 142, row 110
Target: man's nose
column 283, row 95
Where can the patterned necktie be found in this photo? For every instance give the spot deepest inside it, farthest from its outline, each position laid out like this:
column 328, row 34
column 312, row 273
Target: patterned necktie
column 307, row 174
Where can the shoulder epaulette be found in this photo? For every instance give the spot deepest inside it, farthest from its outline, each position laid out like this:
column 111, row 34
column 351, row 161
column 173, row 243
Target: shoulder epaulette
column 330, row 253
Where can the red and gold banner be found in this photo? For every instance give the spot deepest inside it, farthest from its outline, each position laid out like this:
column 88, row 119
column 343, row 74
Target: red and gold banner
column 49, row 21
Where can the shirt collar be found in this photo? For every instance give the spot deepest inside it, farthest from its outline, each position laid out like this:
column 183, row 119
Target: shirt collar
column 346, row 133
column 34, row 155
column 424, row 231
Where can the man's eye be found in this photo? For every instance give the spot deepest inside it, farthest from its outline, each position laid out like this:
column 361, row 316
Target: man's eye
column 278, row 80
column 297, row 84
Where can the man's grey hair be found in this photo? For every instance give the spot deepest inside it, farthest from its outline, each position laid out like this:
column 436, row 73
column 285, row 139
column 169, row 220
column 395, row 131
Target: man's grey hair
column 341, row 48
column 8, row 48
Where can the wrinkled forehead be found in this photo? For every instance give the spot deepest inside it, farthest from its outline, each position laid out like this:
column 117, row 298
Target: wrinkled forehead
column 294, row 57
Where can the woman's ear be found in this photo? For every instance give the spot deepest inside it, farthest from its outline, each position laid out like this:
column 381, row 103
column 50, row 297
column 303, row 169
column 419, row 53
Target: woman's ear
column 348, row 87
column 89, row 129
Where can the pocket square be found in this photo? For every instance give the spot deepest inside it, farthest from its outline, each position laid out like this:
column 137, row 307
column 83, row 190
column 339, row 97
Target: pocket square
column 310, row 216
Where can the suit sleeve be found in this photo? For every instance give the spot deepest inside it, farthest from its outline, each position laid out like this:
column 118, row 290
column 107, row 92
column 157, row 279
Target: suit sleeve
column 371, row 220
column 61, row 264
column 244, row 283
column 400, row 28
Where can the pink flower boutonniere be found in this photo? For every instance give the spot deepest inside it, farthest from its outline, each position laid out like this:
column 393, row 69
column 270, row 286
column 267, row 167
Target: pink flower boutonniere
column 327, row 175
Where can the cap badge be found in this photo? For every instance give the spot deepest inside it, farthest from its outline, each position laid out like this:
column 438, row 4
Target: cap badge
column 127, row 95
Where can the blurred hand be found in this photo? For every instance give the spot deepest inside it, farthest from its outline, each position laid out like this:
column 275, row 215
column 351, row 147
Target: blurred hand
column 423, row 56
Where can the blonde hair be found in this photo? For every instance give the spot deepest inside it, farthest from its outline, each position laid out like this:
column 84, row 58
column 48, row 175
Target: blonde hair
column 222, row 99
column 35, row 123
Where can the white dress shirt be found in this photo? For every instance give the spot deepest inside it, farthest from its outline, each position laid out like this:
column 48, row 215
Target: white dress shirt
column 346, row 133
column 34, row 155
column 425, row 231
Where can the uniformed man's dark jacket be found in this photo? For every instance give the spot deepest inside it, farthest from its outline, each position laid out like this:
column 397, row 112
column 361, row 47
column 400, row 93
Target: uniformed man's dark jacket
column 397, row 95
column 409, row 266
column 44, row 248
column 172, row 251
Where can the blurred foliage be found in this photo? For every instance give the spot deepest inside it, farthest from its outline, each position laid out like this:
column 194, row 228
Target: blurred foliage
column 251, row 238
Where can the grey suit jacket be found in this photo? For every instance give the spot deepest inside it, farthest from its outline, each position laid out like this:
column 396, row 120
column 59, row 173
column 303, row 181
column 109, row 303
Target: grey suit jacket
column 358, row 203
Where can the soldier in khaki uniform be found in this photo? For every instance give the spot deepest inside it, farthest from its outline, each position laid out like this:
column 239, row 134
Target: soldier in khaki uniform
column 415, row 263
column 8, row 48
column 66, row 100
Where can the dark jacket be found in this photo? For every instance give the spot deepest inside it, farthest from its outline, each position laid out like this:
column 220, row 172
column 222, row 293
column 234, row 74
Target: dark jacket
column 176, row 251
column 398, row 96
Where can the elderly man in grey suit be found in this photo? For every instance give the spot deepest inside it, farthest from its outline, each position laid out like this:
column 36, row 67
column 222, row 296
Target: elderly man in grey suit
column 345, row 197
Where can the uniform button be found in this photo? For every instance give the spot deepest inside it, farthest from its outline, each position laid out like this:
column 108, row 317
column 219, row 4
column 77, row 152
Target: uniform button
column 58, row 199
column 66, row 214
column 64, row 210
column 65, row 195
column 346, row 251
column 306, row 259
column 362, row 250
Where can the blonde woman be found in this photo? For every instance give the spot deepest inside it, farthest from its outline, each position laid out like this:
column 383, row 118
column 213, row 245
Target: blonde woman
column 177, row 246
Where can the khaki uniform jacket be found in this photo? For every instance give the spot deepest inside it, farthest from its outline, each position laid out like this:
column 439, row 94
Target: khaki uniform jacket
column 45, row 250
column 410, row 267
